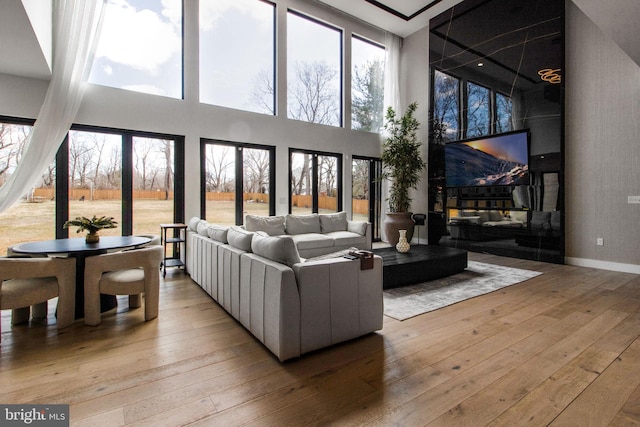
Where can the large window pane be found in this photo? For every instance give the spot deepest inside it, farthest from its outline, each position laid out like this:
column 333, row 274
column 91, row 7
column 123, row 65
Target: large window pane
column 237, row 45
column 32, row 217
column 153, row 192
column 140, row 47
column 301, row 183
column 360, row 193
column 478, row 110
column 327, row 184
column 220, row 182
column 504, row 113
column 256, row 170
column 446, row 111
column 367, row 85
column 313, row 74
column 95, row 177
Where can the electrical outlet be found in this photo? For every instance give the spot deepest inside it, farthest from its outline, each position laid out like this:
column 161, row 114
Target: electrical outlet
column 633, row 200
column 600, row 241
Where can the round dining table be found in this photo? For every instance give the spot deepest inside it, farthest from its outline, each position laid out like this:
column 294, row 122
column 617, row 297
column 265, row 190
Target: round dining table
column 80, row 249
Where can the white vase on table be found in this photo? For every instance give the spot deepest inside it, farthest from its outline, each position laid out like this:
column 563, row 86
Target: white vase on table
column 403, row 246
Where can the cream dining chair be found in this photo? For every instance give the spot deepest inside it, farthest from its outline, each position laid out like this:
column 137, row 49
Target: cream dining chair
column 30, row 281
column 133, row 272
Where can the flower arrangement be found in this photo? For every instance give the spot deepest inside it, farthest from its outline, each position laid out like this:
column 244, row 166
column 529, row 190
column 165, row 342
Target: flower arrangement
column 92, row 225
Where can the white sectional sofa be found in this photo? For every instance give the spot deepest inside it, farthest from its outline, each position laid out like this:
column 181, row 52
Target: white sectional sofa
column 291, row 304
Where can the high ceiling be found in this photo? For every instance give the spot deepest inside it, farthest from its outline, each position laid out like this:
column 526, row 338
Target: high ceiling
column 401, row 17
column 25, row 34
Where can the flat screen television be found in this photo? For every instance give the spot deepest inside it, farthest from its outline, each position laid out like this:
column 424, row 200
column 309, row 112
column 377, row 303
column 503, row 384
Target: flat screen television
column 493, row 160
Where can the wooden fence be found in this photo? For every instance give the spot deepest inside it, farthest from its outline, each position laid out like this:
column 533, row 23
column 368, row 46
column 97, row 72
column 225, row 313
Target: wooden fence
column 303, row 201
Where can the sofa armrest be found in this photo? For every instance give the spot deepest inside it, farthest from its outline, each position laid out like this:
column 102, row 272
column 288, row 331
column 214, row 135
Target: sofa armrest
column 363, row 228
column 270, row 304
column 338, row 301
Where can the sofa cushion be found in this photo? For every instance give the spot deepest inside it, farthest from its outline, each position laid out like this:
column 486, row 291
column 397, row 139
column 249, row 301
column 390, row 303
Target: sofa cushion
column 484, row 216
column 218, row 233
column 203, row 228
column 281, row 249
column 272, row 225
column 240, row 238
column 193, row 223
column 312, row 241
column 358, row 227
column 333, row 222
column 343, row 238
column 301, row 224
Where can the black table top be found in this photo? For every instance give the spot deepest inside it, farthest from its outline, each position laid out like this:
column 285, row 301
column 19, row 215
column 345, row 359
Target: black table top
column 76, row 245
column 417, row 253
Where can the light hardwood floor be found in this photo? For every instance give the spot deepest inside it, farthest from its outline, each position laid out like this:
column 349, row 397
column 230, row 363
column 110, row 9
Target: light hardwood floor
column 560, row 349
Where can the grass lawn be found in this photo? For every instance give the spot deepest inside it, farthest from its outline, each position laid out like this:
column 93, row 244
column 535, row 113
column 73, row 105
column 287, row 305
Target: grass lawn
column 28, row 222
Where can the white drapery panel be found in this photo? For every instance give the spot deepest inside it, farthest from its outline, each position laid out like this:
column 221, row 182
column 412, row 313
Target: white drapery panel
column 76, row 27
column 392, row 72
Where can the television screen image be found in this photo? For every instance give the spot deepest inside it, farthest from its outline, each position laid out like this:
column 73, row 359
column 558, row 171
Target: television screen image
column 495, row 160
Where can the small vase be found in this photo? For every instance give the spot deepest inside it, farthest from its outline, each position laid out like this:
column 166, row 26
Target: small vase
column 92, row 238
column 403, row 246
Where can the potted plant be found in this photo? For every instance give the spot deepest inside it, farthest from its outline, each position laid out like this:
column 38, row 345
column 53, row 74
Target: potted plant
column 92, row 225
column 402, row 165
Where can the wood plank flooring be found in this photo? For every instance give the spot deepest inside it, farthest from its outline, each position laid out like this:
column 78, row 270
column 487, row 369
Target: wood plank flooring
column 561, row 349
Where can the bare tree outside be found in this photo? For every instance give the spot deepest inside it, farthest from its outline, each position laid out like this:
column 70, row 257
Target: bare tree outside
column 13, row 139
column 313, row 95
column 446, row 107
column 367, row 101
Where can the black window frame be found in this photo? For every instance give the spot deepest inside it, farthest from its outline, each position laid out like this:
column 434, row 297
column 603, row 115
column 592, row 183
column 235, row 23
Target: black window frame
column 239, row 175
column 314, row 177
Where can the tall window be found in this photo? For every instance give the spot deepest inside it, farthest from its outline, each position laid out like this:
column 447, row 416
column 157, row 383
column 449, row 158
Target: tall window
column 504, row 113
column 237, row 45
column 237, row 180
column 316, row 182
column 153, row 183
column 95, row 176
column 32, row 217
column 366, row 192
column 314, row 71
column 140, row 47
column 478, row 110
column 367, row 85
column 446, row 106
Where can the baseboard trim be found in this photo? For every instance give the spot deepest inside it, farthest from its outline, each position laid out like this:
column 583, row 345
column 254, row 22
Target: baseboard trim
column 603, row 265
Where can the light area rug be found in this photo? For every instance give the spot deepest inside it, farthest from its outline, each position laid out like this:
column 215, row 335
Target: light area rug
column 405, row 302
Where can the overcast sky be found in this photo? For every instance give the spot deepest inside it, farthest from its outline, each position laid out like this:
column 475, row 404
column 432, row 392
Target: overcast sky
column 141, row 47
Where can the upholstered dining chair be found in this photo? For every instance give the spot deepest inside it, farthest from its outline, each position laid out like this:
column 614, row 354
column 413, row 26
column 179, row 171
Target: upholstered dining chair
column 133, row 272
column 25, row 282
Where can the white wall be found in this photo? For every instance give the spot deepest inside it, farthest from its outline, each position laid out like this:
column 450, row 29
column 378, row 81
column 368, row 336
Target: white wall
column 602, row 148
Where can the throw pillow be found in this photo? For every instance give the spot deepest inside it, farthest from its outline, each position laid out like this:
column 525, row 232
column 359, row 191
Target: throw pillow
column 193, row 223
column 240, row 238
column 203, row 228
column 302, row 224
column 333, row 222
column 218, row 233
column 358, row 227
column 272, row 225
column 280, row 249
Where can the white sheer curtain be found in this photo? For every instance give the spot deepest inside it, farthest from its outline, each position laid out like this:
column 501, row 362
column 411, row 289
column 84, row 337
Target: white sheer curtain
column 392, row 72
column 76, row 27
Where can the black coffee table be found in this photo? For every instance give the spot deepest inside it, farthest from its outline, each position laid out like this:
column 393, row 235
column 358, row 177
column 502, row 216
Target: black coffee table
column 422, row 263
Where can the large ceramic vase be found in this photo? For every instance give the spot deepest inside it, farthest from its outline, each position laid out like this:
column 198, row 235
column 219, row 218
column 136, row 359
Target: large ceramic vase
column 395, row 221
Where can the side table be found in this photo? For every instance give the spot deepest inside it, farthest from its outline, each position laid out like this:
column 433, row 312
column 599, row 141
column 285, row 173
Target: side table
column 177, row 239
